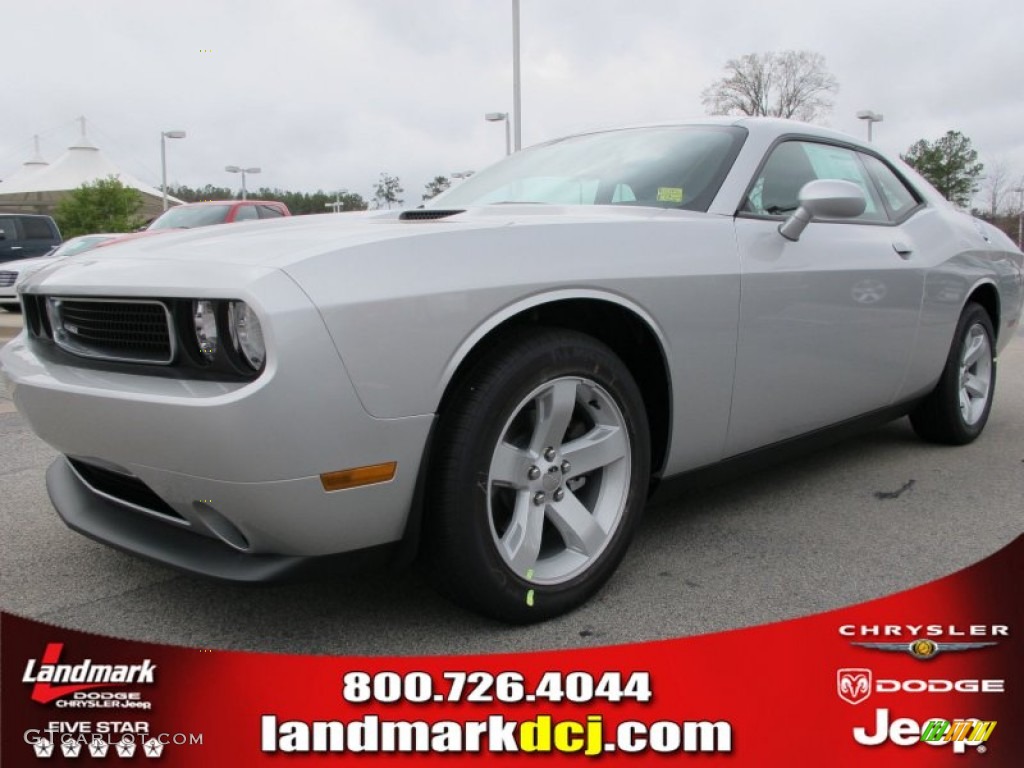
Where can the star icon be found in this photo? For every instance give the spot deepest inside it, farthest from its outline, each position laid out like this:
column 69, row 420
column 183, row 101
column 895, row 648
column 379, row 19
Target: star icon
column 43, row 748
column 154, row 748
column 71, row 748
column 125, row 748
column 98, row 747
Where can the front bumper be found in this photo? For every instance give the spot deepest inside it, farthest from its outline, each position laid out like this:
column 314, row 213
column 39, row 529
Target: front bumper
column 84, row 511
column 237, row 463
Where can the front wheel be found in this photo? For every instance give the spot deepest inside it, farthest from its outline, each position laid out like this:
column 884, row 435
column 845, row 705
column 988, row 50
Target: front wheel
column 957, row 409
column 539, row 476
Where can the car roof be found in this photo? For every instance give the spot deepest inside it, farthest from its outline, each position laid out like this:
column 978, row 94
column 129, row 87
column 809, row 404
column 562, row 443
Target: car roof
column 763, row 126
column 227, row 202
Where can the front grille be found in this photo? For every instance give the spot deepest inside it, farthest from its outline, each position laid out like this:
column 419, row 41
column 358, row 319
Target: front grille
column 113, row 329
column 122, row 488
column 7, row 279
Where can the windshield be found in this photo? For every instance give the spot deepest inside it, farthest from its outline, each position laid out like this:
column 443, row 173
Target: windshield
column 187, row 217
column 79, row 244
column 675, row 167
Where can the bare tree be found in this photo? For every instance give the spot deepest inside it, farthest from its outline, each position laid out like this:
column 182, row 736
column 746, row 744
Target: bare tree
column 387, row 191
column 791, row 84
column 995, row 187
column 435, row 187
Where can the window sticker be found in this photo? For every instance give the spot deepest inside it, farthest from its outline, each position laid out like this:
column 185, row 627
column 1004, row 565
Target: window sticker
column 670, row 194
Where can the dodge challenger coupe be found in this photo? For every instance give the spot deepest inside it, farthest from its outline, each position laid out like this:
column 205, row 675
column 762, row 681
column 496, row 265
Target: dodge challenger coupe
column 496, row 381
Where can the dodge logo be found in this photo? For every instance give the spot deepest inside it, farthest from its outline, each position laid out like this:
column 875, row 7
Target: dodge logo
column 853, row 685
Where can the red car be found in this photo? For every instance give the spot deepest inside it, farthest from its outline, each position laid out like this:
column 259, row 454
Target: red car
column 206, row 213
column 218, row 212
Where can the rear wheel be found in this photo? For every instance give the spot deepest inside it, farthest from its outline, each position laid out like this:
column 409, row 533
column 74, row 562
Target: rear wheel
column 957, row 409
column 539, row 478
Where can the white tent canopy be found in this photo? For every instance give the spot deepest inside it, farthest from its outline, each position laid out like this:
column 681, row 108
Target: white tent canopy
column 39, row 187
column 28, row 168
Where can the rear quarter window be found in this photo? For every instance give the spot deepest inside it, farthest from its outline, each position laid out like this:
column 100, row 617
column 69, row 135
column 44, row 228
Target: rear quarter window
column 900, row 198
column 37, row 229
column 269, row 212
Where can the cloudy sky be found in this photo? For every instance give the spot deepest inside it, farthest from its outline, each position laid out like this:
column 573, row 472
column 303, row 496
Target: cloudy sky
column 324, row 94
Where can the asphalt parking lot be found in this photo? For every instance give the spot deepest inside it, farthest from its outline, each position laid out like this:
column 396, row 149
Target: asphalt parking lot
column 861, row 519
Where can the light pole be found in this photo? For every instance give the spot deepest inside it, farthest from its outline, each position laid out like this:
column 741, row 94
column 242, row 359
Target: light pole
column 1020, row 216
column 243, row 171
column 337, row 205
column 164, row 135
column 517, row 101
column 871, row 118
column 497, row 117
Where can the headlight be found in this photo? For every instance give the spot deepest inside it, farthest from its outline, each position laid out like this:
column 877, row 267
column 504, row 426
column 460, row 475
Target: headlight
column 246, row 334
column 204, row 318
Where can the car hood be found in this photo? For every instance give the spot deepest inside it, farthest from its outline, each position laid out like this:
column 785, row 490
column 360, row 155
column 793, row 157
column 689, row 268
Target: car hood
column 23, row 266
column 280, row 243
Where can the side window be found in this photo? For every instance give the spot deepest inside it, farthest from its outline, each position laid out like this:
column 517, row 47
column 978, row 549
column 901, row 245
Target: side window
column 37, row 229
column 794, row 163
column 269, row 212
column 898, row 196
column 8, row 230
column 246, row 213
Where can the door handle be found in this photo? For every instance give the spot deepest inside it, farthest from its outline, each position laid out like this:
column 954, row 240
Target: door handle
column 902, row 249
column 16, row 247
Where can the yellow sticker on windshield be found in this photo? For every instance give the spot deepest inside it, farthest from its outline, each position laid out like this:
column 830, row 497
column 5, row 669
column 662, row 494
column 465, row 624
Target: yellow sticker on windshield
column 670, row 194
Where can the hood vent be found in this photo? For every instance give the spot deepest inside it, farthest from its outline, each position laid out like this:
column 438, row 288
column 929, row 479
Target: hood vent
column 424, row 214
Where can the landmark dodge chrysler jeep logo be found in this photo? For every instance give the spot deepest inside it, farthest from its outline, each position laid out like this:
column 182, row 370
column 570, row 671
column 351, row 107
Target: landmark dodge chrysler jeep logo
column 79, row 677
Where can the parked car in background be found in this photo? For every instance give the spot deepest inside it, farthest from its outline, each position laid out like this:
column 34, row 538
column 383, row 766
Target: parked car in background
column 24, row 235
column 13, row 272
column 218, row 212
column 497, row 380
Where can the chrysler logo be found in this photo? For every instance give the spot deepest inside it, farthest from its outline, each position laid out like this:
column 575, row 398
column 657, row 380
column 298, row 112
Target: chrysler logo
column 923, row 648
column 853, row 685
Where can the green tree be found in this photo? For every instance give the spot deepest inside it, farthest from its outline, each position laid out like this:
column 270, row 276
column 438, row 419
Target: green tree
column 950, row 164
column 105, row 205
column 202, row 194
column 790, row 84
column 436, row 187
column 387, row 191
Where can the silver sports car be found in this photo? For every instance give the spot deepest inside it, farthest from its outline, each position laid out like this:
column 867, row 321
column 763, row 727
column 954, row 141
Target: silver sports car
column 497, row 381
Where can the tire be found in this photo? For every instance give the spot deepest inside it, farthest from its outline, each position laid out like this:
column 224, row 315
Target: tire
column 957, row 409
column 513, row 529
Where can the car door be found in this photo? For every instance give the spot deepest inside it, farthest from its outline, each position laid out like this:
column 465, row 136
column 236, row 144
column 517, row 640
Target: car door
column 39, row 236
column 11, row 246
column 827, row 323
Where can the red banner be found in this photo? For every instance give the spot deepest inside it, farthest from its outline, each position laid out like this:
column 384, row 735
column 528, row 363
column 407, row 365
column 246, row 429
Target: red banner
column 928, row 677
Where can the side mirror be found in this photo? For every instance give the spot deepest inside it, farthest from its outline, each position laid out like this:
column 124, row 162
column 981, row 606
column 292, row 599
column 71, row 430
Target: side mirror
column 824, row 199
